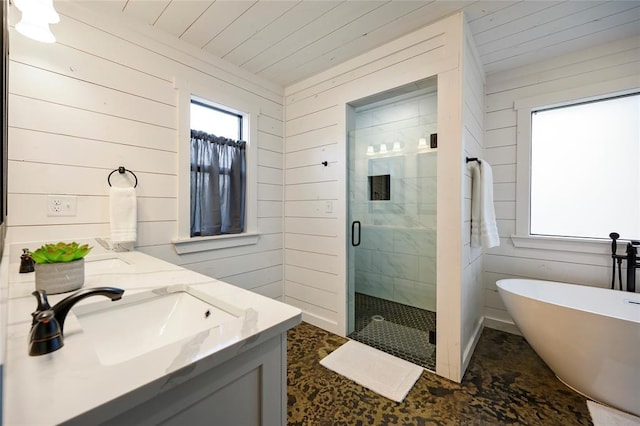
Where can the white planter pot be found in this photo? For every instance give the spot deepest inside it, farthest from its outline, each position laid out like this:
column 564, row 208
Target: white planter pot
column 57, row 278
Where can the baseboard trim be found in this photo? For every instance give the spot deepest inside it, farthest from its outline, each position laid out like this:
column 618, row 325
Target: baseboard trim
column 471, row 346
column 322, row 323
column 502, row 325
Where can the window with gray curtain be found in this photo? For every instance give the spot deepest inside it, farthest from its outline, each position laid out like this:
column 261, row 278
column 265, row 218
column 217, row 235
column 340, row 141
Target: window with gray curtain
column 218, row 184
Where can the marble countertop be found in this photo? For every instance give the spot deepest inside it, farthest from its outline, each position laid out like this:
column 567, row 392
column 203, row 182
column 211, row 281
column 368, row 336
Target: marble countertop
column 65, row 384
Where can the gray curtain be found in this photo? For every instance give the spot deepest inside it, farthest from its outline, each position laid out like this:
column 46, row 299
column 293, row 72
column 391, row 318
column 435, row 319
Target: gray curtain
column 218, row 185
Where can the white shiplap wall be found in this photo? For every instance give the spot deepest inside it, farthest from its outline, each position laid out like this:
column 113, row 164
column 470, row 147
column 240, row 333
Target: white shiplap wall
column 104, row 96
column 473, row 142
column 316, row 131
column 596, row 65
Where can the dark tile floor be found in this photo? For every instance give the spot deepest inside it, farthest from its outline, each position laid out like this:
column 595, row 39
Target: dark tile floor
column 398, row 329
column 506, row 383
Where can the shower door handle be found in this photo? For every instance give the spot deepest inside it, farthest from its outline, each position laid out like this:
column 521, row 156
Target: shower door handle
column 353, row 233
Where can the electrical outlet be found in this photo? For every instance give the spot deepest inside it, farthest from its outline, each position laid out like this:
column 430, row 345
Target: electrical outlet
column 62, row 205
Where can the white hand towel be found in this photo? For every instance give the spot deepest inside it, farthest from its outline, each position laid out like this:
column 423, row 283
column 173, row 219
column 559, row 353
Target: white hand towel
column 123, row 214
column 484, row 231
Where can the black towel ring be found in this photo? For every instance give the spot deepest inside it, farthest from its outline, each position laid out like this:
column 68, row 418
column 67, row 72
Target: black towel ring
column 474, row 159
column 121, row 170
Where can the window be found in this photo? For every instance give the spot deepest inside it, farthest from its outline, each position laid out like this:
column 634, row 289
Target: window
column 218, row 171
column 581, row 168
column 216, row 121
column 585, row 179
column 235, row 118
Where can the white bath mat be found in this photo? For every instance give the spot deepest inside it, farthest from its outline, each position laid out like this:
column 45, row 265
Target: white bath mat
column 607, row 416
column 378, row 371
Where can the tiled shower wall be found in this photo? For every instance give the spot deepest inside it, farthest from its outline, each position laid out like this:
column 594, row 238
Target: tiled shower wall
column 396, row 259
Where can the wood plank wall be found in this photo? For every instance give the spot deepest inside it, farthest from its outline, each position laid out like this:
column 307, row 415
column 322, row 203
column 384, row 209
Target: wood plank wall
column 473, row 144
column 103, row 96
column 315, row 131
column 601, row 63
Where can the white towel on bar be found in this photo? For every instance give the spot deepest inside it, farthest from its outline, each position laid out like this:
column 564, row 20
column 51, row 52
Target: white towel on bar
column 123, row 213
column 484, row 231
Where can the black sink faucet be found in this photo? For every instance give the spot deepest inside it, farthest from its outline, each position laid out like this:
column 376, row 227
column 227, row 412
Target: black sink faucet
column 48, row 323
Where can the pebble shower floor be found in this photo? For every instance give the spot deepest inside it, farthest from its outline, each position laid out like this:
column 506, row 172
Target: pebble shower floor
column 397, row 329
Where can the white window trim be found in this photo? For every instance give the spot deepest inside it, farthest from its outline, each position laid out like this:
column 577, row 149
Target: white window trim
column 196, row 244
column 184, row 243
column 523, row 108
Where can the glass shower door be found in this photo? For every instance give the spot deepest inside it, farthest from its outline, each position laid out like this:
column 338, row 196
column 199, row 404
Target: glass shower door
column 392, row 225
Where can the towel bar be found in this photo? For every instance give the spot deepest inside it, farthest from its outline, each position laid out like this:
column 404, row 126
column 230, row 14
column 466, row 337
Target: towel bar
column 122, row 170
column 474, row 159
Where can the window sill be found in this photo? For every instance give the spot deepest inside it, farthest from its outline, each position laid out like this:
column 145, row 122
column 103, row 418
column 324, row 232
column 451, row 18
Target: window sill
column 569, row 244
column 193, row 245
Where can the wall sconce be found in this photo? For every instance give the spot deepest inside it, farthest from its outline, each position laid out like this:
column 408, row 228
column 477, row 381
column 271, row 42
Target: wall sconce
column 36, row 17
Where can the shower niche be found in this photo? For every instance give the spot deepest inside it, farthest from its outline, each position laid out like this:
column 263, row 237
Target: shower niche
column 379, row 187
column 392, row 169
column 385, row 180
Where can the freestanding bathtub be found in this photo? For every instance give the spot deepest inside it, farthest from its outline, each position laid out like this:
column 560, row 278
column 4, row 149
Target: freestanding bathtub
column 589, row 337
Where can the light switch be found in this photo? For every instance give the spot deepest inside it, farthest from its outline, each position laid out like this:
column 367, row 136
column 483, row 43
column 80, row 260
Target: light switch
column 328, row 206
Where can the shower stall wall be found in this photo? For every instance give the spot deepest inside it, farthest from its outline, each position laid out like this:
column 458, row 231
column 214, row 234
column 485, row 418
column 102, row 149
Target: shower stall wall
column 319, row 265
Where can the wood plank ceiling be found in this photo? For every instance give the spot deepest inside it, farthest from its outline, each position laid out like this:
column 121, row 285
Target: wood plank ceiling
column 286, row 41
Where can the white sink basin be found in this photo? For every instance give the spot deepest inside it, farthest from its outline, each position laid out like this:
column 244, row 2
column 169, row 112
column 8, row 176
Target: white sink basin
column 104, row 265
column 143, row 322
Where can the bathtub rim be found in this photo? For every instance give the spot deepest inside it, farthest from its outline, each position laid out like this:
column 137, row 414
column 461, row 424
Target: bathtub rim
column 607, row 301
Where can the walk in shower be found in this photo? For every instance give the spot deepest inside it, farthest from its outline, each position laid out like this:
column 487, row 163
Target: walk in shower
column 392, row 169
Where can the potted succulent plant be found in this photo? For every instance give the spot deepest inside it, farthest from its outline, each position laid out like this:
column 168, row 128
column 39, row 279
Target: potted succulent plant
column 60, row 267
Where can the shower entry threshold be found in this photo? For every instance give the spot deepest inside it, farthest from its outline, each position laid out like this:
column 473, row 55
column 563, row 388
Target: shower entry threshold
column 397, row 329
